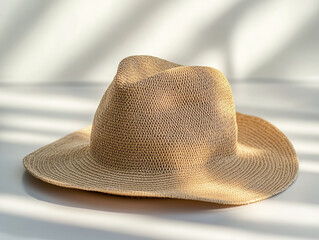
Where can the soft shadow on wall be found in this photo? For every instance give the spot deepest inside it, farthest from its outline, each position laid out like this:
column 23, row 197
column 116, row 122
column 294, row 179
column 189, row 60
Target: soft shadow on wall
column 81, row 42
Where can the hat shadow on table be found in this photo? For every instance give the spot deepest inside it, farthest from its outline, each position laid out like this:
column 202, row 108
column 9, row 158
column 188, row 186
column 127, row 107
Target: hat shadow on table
column 112, row 203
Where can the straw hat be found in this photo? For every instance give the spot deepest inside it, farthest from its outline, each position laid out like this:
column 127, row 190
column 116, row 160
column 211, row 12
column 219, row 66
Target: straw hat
column 171, row 131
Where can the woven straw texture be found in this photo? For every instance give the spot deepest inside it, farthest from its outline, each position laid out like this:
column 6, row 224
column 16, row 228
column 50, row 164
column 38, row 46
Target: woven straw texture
column 166, row 130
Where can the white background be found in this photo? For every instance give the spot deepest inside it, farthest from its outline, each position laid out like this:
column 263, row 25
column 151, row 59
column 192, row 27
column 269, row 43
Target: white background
column 58, row 57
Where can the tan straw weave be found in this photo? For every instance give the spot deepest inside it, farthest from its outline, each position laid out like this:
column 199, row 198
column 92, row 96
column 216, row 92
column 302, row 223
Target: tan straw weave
column 166, row 130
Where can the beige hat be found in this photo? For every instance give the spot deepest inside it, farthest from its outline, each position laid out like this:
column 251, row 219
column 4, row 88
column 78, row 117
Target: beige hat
column 171, row 131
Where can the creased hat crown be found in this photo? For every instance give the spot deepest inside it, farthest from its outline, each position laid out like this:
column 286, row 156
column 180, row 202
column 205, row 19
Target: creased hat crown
column 158, row 116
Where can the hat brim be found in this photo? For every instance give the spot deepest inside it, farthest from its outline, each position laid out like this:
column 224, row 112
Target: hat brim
column 264, row 165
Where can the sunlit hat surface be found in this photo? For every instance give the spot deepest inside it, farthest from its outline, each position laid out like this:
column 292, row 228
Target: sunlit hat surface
column 171, row 131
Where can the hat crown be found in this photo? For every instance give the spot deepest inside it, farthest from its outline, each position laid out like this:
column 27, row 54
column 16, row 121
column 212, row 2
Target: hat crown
column 158, row 116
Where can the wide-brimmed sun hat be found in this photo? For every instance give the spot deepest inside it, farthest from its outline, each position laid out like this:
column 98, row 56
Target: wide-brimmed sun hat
column 171, row 131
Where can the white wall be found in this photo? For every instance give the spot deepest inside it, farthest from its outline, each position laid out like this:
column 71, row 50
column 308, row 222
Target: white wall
column 83, row 41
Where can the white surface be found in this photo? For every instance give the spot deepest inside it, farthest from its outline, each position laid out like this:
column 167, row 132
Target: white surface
column 31, row 117
column 80, row 40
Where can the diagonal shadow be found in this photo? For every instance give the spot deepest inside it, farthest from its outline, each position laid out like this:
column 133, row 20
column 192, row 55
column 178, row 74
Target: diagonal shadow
column 26, row 16
column 261, row 227
column 306, row 36
column 218, row 34
column 24, row 227
column 106, row 43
